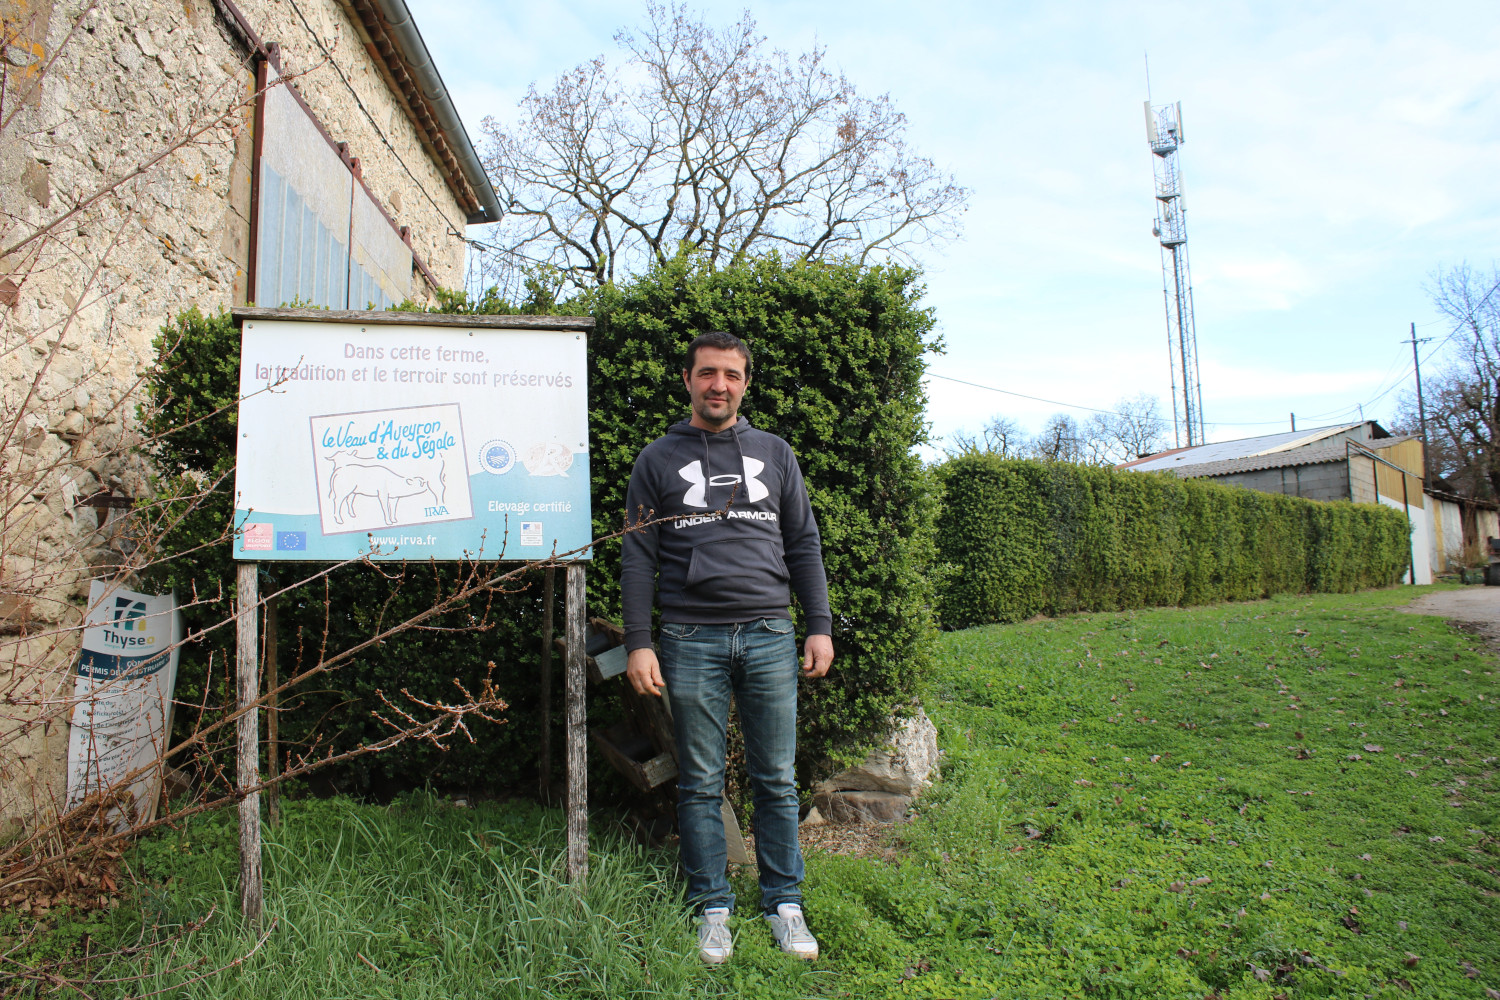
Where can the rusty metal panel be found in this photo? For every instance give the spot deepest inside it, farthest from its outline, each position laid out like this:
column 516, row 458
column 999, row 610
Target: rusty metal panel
column 1408, row 455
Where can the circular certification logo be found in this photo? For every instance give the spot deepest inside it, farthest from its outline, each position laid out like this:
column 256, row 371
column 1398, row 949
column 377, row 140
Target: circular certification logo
column 498, row 457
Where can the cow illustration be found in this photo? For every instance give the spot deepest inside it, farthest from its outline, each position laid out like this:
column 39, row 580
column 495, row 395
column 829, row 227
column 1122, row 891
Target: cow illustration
column 350, row 480
column 434, row 470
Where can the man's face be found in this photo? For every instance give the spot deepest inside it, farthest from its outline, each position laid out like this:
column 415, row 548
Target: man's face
column 716, row 384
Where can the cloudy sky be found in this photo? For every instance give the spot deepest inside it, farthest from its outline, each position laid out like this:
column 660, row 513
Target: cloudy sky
column 1336, row 155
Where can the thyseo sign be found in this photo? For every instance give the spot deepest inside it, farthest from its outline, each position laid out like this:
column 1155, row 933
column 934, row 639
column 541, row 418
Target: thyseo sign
column 414, row 438
column 122, row 696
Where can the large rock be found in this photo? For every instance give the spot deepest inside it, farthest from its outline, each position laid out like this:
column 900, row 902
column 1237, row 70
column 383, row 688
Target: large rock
column 905, row 765
column 849, row 808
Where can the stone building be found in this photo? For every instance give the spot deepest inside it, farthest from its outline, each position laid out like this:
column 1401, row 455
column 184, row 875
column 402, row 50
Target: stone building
column 162, row 154
column 1362, row 462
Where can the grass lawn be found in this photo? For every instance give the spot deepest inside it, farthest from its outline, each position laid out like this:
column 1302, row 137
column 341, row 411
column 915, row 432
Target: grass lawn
column 1289, row 798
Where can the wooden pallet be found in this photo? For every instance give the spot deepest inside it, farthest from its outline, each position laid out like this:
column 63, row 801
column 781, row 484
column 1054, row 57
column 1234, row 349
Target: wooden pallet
column 641, row 747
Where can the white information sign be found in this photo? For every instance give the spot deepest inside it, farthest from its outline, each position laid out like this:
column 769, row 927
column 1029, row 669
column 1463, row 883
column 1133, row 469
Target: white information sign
column 407, row 441
column 123, row 695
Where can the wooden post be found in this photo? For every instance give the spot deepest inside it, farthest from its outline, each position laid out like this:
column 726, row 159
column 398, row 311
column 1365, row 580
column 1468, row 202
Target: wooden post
column 273, row 721
column 247, row 771
column 544, row 778
column 578, row 779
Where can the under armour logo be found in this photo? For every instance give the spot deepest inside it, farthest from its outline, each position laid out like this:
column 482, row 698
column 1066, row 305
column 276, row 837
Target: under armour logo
column 697, row 491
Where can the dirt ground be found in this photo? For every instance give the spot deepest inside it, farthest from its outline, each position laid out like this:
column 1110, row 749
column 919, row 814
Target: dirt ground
column 1474, row 607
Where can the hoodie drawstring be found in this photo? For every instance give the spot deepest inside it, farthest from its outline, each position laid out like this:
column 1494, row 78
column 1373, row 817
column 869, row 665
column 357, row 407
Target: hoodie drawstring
column 744, row 473
column 708, row 478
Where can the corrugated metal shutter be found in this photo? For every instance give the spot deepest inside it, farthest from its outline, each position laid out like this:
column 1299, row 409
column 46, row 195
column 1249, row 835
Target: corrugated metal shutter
column 321, row 240
column 300, row 259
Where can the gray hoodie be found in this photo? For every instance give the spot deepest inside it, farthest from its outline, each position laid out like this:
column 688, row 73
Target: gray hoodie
column 740, row 531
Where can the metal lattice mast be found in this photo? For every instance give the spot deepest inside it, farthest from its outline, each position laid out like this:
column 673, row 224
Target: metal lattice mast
column 1164, row 132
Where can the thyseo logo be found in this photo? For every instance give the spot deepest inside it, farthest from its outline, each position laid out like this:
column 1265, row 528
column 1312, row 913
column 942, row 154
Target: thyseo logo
column 697, row 492
column 128, row 617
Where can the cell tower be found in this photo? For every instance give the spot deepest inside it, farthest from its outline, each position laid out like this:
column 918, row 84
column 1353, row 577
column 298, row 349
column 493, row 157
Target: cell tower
column 1164, row 132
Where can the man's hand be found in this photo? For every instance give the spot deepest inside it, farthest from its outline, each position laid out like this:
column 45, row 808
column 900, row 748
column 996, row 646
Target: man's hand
column 817, row 655
column 645, row 673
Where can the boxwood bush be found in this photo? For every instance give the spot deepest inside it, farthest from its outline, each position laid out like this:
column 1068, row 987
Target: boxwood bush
column 838, row 365
column 1016, row 538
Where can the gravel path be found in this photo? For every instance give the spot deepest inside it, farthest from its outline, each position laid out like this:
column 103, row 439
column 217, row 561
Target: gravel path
column 1476, row 607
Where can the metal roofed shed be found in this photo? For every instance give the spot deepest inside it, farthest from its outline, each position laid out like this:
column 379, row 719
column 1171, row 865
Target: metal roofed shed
column 1276, row 448
column 1361, row 462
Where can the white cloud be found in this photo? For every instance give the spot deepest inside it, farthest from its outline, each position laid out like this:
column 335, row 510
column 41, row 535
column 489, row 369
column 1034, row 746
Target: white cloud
column 1336, row 154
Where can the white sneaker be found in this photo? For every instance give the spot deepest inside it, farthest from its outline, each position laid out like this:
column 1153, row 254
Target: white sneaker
column 789, row 927
column 715, row 944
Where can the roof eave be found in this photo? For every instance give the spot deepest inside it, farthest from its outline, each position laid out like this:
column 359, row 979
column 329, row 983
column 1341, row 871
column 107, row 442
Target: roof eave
column 397, row 47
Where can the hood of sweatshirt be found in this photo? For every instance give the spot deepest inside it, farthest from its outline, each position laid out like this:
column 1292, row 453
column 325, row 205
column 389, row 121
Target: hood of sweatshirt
column 728, row 474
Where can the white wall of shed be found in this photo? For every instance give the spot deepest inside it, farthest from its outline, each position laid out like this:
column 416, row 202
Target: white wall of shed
column 1421, row 526
column 1447, row 536
column 1489, row 525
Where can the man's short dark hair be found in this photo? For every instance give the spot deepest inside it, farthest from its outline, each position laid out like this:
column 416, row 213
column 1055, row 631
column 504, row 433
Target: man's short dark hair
column 721, row 340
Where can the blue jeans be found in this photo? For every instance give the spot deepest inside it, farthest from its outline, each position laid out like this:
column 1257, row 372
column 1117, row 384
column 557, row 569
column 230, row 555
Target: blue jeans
column 756, row 662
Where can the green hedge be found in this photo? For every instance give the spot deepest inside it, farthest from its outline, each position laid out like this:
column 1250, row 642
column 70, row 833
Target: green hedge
column 838, row 366
column 1017, row 538
column 838, row 373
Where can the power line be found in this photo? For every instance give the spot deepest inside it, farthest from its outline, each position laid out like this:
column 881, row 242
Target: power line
column 1227, row 423
column 1395, row 363
column 1022, row 395
column 1410, row 369
column 1080, row 406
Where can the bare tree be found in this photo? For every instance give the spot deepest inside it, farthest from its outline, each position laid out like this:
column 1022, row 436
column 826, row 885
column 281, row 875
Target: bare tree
column 1001, row 436
column 706, row 140
column 1463, row 397
column 1005, row 437
column 1059, row 440
column 1134, row 428
column 1096, row 444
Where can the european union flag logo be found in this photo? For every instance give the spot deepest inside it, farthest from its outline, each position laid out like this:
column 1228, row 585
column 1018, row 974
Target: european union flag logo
column 291, row 541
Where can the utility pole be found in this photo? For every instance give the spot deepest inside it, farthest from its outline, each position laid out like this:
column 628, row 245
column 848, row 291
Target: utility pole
column 1416, row 363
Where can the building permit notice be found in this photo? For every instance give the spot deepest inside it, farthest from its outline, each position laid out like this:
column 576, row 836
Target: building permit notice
column 122, row 699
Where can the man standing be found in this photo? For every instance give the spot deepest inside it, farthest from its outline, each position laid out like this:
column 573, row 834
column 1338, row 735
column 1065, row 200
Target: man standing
column 734, row 532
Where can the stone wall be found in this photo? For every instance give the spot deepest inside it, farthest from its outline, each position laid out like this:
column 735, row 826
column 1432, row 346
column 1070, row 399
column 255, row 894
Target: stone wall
column 110, row 223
